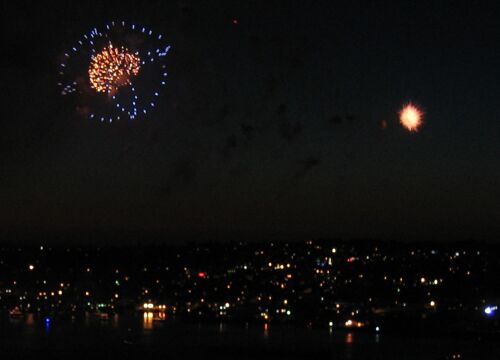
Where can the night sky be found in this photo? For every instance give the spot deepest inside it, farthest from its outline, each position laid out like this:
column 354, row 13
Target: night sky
column 271, row 125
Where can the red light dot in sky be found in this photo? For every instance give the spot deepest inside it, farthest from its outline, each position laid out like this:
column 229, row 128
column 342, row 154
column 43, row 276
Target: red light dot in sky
column 235, row 21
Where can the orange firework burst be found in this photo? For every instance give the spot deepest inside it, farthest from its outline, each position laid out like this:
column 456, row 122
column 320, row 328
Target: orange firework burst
column 112, row 68
column 411, row 117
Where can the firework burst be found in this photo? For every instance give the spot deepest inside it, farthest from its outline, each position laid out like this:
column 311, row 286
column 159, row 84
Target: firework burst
column 112, row 68
column 115, row 72
column 410, row 117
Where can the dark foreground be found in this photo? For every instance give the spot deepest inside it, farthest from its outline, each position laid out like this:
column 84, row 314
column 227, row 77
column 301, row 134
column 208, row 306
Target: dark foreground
column 30, row 337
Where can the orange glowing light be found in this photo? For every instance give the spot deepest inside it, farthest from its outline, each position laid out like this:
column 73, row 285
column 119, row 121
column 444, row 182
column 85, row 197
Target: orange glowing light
column 411, row 117
column 112, row 68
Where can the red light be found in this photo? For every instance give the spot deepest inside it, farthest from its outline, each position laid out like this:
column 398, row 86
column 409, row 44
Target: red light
column 201, row 274
column 235, row 21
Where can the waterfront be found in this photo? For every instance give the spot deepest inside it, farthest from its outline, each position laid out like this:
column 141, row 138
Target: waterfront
column 134, row 337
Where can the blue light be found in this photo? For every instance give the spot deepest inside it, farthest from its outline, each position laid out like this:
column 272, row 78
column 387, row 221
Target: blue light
column 490, row 310
column 47, row 323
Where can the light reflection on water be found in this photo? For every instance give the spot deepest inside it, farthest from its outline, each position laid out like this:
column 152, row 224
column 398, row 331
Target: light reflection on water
column 349, row 338
column 115, row 321
column 24, row 333
column 148, row 321
column 47, row 323
column 30, row 320
column 266, row 330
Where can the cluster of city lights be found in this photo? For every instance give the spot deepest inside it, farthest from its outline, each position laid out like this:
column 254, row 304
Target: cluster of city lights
column 112, row 68
column 150, row 306
column 353, row 323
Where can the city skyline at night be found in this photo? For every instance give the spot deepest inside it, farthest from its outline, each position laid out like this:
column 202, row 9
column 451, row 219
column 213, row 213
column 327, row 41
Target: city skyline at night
column 250, row 179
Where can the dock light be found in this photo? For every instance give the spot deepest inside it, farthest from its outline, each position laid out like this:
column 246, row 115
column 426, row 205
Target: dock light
column 490, row 310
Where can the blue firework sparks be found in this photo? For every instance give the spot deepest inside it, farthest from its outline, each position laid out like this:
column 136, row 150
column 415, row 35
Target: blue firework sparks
column 125, row 98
